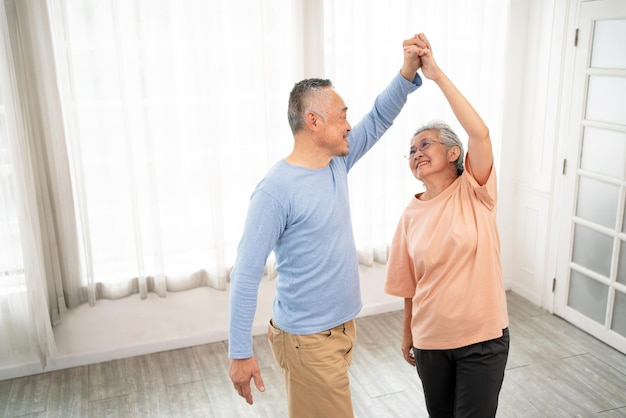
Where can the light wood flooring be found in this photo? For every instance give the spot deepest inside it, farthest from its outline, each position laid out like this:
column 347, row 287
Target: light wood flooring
column 554, row 370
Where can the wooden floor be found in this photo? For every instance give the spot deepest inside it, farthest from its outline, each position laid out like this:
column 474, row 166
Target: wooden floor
column 554, row 370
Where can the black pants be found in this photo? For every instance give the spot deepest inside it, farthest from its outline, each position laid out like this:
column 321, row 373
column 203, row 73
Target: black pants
column 463, row 382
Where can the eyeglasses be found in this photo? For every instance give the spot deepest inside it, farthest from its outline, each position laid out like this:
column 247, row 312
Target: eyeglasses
column 422, row 146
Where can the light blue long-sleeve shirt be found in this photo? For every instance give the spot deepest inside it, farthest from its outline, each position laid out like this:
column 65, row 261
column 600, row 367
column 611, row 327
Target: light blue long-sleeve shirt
column 304, row 216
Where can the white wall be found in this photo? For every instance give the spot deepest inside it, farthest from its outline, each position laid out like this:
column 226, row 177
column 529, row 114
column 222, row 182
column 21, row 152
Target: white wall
column 539, row 62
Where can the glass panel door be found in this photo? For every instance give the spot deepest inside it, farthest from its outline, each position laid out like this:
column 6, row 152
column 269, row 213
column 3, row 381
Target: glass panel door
column 594, row 294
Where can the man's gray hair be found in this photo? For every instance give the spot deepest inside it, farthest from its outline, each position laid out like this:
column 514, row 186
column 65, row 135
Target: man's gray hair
column 306, row 96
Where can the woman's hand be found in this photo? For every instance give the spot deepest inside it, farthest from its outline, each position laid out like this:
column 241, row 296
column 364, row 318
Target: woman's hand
column 407, row 334
column 407, row 352
column 430, row 69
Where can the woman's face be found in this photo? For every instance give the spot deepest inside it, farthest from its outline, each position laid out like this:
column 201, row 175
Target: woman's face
column 428, row 155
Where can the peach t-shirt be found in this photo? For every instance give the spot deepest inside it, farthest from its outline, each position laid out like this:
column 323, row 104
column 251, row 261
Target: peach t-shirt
column 445, row 255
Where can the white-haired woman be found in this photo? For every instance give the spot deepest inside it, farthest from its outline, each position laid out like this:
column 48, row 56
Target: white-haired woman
column 445, row 262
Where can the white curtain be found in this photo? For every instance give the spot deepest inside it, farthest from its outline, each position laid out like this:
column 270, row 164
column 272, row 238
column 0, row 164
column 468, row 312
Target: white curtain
column 27, row 302
column 140, row 128
column 171, row 117
column 363, row 50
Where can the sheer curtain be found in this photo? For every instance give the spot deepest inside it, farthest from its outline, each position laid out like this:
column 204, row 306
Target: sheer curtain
column 132, row 134
column 171, row 111
column 363, row 50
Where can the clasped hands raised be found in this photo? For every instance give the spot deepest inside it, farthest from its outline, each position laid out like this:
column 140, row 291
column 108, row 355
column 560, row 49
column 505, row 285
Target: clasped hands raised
column 419, row 54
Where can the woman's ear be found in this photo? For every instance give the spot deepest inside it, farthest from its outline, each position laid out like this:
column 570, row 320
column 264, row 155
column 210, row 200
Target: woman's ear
column 454, row 153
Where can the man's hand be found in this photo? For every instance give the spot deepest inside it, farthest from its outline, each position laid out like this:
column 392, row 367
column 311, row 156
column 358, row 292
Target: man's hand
column 413, row 49
column 241, row 371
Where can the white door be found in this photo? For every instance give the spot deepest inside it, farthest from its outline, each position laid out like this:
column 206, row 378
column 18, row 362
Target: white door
column 591, row 280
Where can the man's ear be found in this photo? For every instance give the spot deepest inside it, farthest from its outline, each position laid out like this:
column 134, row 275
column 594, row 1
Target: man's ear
column 313, row 121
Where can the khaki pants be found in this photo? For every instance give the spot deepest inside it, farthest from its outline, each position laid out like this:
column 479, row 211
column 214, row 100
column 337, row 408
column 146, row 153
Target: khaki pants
column 316, row 370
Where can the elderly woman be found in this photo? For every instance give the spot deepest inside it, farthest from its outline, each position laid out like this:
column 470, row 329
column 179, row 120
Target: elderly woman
column 445, row 262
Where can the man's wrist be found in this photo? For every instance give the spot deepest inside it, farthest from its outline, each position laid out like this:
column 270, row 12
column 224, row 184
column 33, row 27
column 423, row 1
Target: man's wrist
column 416, row 80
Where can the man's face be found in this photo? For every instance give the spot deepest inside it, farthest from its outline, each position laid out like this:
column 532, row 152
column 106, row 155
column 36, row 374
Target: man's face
column 334, row 136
